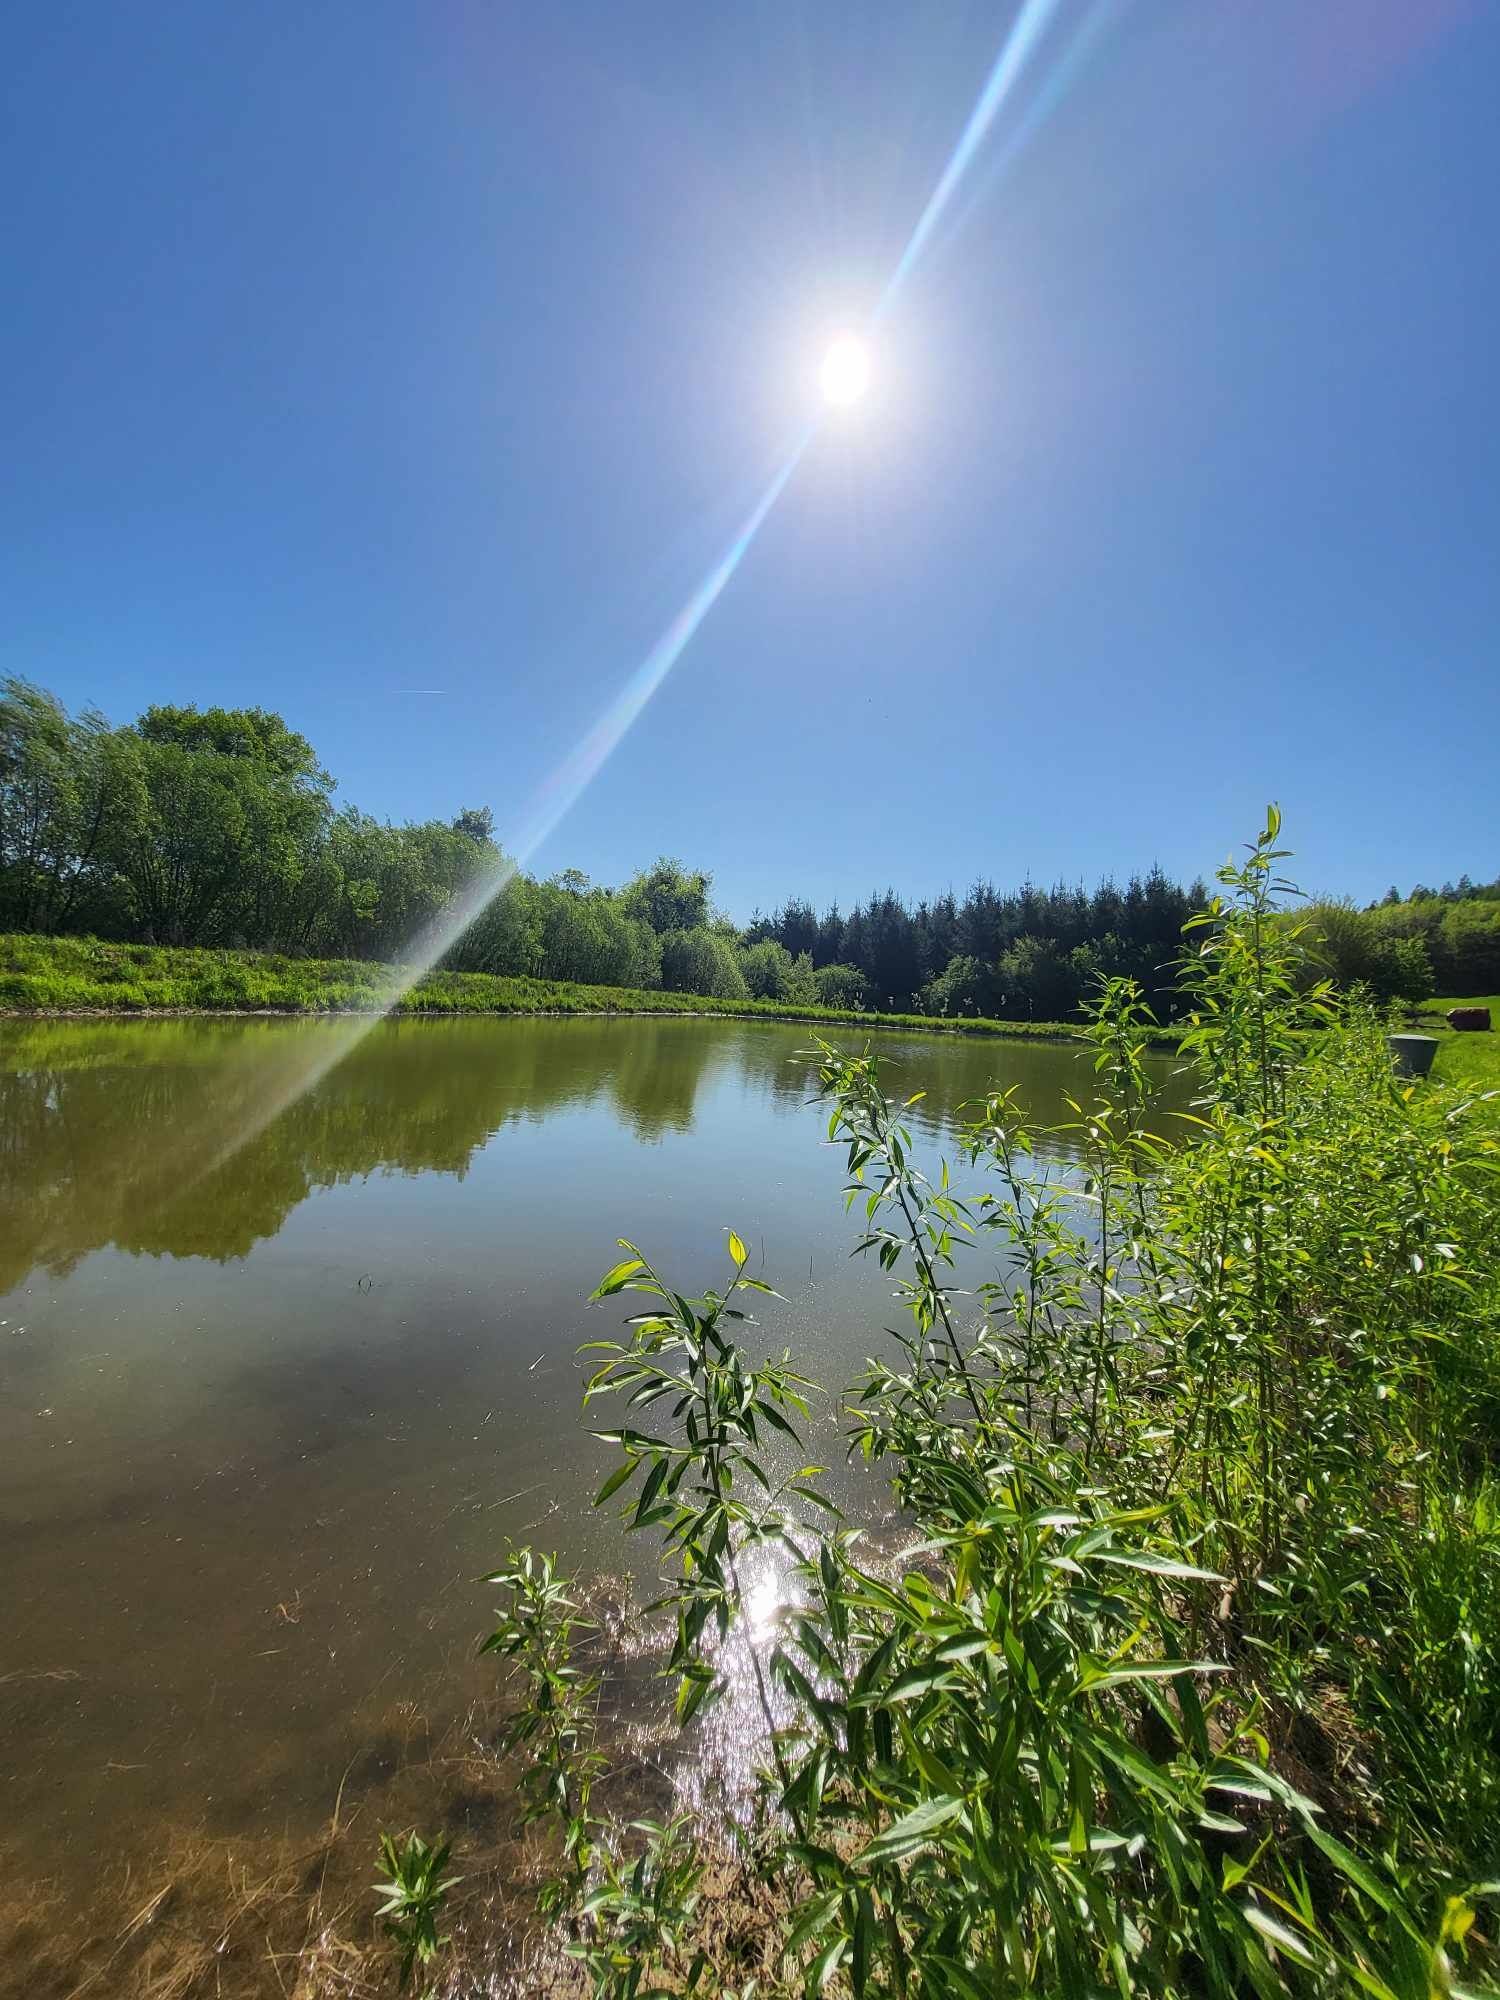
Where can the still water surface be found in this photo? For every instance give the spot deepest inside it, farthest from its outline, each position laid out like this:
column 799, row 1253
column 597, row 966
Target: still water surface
column 267, row 1410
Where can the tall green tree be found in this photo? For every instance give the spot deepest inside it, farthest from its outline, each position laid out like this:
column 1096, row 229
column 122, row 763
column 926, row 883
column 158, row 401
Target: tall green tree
column 64, row 785
column 227, row 810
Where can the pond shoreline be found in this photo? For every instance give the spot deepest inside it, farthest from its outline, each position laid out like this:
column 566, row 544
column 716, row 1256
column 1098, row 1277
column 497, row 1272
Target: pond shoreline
column 997, row 1031
column 51, row 978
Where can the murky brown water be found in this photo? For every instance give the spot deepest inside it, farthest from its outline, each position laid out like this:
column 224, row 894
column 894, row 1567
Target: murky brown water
column 272, row 1394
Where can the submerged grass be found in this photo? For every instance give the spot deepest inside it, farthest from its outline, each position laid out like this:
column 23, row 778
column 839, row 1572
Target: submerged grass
column 190, row 1916
column 182, row 1913
column 45, row 975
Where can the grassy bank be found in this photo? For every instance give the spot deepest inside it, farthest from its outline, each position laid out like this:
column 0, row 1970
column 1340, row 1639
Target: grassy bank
column 1471, row 1061
column 45, row 975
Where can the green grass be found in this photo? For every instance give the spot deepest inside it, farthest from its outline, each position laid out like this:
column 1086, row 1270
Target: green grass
column 44, row 975
column 1465, row 1059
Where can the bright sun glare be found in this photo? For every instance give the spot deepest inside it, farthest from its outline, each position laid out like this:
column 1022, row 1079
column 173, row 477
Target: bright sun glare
column 846, row 370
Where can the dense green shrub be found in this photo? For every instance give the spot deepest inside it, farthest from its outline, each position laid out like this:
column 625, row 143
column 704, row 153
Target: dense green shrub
column 841, row 986
column 1407, row 951
column 771, row 973
column 703, row 961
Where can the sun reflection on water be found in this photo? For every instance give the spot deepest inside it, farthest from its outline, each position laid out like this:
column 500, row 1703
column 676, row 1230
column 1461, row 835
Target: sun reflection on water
column 714, row 1767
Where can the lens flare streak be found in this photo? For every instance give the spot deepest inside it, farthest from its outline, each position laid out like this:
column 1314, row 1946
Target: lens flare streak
column 1085, row 36
column 1026, row 33
column 583, row 764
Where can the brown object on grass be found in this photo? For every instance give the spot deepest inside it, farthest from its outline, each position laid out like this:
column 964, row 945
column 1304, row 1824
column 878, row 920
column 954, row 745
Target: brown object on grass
column 1468, row 1020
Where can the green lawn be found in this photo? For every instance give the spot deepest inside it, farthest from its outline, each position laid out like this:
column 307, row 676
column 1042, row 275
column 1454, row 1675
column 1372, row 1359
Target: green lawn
column 1465, row 1058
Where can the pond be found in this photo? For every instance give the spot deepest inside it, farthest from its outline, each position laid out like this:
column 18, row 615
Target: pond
column 279, row 1374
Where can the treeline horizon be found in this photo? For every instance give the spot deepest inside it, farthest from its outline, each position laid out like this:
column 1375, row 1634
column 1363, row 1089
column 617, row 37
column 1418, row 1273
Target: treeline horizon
column 218, row 827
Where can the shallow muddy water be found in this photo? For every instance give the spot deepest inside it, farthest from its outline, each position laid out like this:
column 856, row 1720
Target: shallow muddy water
column 275, row 1389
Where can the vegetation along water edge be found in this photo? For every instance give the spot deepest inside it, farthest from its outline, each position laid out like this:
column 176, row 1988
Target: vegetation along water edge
column 42, row 975
column 1186, row 1678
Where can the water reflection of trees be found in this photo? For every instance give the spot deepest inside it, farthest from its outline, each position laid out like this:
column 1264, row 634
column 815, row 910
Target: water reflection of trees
column 125, row 1134
column 146, row 1135
column 951, row 1072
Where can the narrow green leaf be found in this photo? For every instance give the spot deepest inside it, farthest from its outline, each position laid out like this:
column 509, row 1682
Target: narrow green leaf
column 815, row 1917
column 616, row 1480
column 912, row 1831
column 1157, row 1565
column 826, row 1964
column 614, row 1280
column 1277, row 1933
column 1350, row 1865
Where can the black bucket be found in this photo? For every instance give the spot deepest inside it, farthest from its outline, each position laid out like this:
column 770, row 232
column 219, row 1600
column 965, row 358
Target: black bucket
column 1412, row 1054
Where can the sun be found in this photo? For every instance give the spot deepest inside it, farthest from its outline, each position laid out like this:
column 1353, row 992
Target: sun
column 846, row 371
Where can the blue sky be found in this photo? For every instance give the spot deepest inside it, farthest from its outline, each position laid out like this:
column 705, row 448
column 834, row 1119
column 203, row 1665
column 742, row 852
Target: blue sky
column 353, row 349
